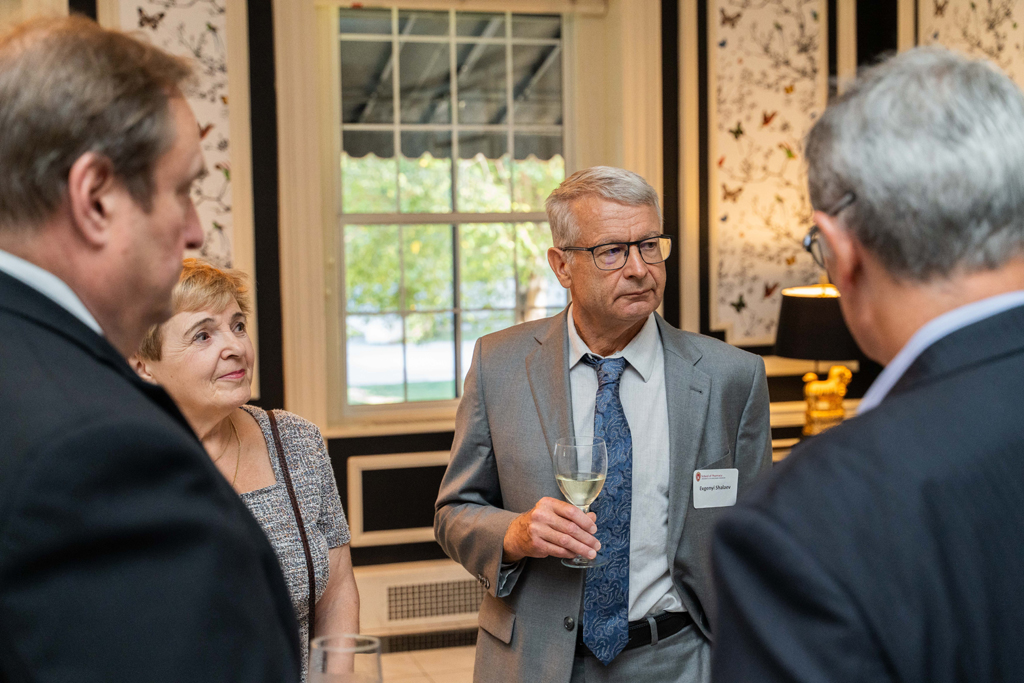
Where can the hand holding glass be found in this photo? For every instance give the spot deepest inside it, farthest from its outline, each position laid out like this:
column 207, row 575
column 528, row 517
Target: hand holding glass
column 345, row 659
column 581, row 464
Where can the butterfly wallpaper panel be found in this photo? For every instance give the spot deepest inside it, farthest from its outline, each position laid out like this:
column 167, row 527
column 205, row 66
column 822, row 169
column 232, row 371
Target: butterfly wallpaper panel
column 991, row 29
column 768, row 81
column 197, row 29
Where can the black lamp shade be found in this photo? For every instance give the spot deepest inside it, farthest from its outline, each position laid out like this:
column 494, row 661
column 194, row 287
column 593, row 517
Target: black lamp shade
column 811, row 326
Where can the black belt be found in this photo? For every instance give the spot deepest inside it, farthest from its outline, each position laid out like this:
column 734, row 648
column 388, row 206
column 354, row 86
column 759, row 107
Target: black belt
column 667, row 624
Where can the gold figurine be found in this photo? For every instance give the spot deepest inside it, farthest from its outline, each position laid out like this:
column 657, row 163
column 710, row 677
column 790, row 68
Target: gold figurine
column 825, row 399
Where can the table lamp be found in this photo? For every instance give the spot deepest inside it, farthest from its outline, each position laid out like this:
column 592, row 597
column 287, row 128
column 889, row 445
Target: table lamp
column 811, row 327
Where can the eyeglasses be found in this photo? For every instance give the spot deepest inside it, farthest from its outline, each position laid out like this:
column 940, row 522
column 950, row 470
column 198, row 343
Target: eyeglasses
column 613, row 255
column 812, row 240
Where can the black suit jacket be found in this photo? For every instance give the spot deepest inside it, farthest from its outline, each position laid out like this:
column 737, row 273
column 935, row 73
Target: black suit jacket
column 890, row 548
column 124, row 555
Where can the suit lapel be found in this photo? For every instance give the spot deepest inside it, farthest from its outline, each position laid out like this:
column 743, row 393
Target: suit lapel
column 687, row 391
column 547, row 371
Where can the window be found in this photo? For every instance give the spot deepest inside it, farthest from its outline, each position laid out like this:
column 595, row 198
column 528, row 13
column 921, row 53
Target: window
column 452, row 137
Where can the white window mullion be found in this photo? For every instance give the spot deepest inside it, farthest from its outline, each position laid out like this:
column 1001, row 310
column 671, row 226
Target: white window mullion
column 403, row 306
column 453, row 61
column 509, row 94
column 453, row 79
column 396, row 93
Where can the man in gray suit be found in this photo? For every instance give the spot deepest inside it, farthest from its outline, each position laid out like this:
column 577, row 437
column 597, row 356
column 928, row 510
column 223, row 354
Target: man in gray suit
column 672, row 406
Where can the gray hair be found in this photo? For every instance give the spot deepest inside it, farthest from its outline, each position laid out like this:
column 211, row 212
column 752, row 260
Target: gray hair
column 932, row 145
column 607, row 182
column 67, row 87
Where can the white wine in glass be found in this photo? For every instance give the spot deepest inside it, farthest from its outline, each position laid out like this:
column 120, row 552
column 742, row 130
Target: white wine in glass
column 581, row 464
column 582, row 489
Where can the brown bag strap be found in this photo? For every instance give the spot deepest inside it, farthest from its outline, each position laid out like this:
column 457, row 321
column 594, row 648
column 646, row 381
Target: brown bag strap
column 298, row 520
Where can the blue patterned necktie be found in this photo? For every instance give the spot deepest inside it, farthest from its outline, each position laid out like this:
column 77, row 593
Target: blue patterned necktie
column 606, row 595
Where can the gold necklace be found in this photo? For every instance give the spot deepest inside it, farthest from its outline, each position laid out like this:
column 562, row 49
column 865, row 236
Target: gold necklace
column 224, row 450
column 238, row 448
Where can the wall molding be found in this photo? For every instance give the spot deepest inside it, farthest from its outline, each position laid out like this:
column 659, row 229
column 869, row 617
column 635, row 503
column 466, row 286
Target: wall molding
column 362, row 463
column 14, row 11
column 906, row 24
column 615, row 84
column 303, row 315
column 243, row 236
column 689, row 167
column 846, row 43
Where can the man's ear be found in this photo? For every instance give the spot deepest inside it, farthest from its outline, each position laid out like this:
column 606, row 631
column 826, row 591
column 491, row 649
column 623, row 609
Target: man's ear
column 558, row 263
column 844, row 255
column 94, row 194
column 141, row 369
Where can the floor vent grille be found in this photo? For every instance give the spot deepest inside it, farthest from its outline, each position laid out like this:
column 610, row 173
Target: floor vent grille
column 434, row 596
column 428, row 641
column 434, row 599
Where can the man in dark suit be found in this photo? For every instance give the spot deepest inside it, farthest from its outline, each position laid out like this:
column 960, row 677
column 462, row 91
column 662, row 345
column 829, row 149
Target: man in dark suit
column 124, row 555
column 891, row 548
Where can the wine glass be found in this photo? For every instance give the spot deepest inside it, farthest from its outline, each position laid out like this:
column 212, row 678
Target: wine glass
column 581, row 463
column 345, row 658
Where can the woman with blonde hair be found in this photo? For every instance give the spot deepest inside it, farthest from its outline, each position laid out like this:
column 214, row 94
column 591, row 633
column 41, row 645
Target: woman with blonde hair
column 276, row 461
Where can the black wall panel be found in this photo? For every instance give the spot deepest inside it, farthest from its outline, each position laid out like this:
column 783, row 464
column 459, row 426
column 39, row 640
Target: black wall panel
column 400, row 498
column 263, row 120
column 876, row 30
column 671, row 151
column 86, row 7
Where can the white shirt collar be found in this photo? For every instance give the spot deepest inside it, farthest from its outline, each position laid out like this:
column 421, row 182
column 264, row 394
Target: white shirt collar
column 640, row 353
column 931, row 332
column 48, row 284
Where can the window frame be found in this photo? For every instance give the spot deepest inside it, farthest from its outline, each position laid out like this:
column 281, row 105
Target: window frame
column 410, row 416
column 614, row 61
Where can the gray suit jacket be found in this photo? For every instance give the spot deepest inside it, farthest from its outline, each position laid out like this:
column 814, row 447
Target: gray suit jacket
column 515, row 406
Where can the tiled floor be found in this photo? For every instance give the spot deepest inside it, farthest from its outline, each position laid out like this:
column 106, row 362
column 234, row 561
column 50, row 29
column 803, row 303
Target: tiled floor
column 442, row 665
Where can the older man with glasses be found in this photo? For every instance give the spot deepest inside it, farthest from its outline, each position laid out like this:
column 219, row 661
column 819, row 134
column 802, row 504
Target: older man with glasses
column 812, row 240
column 672, row 407
column 891, row 548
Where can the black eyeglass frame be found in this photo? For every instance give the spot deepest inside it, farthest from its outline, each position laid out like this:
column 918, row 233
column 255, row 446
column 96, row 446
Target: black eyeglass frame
column 628, row 246
column 813, row 236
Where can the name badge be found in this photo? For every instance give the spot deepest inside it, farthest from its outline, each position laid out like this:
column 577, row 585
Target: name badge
column 715, row 488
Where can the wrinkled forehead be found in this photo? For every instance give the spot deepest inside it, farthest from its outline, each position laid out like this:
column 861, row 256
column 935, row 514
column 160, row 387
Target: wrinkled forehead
column 602, row 220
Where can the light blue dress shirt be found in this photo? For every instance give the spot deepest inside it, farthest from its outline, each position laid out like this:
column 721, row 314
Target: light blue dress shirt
column 645, row 404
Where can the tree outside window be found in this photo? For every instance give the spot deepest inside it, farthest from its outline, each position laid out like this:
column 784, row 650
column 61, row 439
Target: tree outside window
column 452, row 138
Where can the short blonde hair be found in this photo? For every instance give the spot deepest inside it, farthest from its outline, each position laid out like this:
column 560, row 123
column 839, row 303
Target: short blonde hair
column 201, row 287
